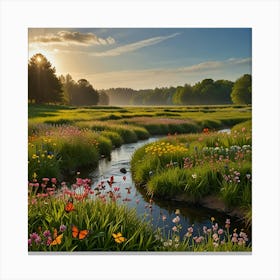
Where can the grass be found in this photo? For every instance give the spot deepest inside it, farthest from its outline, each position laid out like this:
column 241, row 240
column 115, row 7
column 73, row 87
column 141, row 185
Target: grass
column 64, row 139
column 198, row 165
column 69, row 219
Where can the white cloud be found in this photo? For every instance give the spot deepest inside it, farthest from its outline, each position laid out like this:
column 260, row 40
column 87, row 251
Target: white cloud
column 66, row 38
column 134, row 46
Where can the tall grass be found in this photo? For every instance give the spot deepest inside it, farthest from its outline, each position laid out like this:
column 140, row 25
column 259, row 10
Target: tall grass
column 96, row 222
column 209, row 163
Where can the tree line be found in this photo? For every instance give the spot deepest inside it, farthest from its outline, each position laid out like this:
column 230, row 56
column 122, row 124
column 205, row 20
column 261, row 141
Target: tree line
column 45, row 87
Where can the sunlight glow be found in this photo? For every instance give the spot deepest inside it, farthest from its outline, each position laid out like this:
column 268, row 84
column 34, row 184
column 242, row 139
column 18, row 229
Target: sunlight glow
column 38, row 59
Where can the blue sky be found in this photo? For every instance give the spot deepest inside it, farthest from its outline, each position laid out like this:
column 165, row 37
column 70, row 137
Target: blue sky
column 145, row 57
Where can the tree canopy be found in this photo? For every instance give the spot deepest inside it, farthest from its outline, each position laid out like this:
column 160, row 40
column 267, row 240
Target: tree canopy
column 80, row 93
column 242, row 90
column 43, row 85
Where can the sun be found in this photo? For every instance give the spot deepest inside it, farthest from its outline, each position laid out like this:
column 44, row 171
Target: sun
column 39, row 59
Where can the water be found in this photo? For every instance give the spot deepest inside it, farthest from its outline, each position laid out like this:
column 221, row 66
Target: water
column 137, row 199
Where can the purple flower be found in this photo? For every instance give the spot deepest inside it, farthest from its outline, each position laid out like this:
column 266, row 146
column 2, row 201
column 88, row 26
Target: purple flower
column 35, row 237
column 47, row 233
column 29, row 242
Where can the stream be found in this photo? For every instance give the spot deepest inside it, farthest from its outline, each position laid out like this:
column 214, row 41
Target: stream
column 136, row 198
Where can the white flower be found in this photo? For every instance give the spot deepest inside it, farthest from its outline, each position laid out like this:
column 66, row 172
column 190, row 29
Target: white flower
column 194, row 176
column 176, row 220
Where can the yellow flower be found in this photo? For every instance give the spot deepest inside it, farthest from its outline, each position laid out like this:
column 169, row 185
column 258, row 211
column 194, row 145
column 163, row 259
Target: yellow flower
column 212, row 219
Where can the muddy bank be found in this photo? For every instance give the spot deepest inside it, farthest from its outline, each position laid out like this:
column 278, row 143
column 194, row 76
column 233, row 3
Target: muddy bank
column 211, row 202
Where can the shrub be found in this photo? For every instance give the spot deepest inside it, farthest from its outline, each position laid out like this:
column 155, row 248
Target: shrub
column 115, row 138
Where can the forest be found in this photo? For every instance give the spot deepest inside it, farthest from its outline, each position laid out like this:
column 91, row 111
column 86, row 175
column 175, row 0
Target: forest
column 45, row 87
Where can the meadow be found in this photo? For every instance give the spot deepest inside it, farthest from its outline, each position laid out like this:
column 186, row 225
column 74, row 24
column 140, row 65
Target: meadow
column 191, row 163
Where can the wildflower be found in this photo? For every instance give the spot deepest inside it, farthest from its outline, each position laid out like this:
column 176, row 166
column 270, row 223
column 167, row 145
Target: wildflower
column 205, row 229
column 198, row 239
column 243, row 235
column 164, row 217
column 46, row 233
column 220, row 231
column 177, row 212
column 62, row 228
column 212, row 219
column 29, row 242
column 35, row 237
column 116, row 189
column 194, row 176
column 175, row 229
column 176, row 220
column 215, row 227
column 227, row 223
column 167, row 243
column 215, row 237
column 241, row 241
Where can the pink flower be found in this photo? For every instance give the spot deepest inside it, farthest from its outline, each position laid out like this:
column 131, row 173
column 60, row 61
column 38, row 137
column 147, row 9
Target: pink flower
column 220, row 231
column 53, row 180
column 204, row 229
column 116, row 189
column 164, row 217
column 176, row 220
column 45, row 179
column 47, row 233
column 215, row 237
column 175, row 229
column 62, row 228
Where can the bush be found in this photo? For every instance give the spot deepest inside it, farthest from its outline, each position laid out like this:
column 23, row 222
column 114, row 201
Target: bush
column 115, row 138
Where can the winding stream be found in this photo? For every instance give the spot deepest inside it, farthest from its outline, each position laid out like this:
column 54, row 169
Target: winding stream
column 135, row 198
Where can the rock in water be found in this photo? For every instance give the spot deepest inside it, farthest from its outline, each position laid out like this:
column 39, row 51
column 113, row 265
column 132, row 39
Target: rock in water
column 123, row 170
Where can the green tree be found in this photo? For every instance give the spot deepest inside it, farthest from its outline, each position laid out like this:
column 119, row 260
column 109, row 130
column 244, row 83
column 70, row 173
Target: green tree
column 103, row 98
column 242, row 90
column 43, row 85
column 83, row 94
column 68, row 85
column 183, row 95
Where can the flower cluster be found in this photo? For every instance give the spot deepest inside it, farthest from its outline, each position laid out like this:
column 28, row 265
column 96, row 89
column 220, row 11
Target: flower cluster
column 162, row 148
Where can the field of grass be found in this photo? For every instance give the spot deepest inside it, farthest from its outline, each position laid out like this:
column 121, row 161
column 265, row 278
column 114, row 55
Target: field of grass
column 64, row 139
column 193, row 160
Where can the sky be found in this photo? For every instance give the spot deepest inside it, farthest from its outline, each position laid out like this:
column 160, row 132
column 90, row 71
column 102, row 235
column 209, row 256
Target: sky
column 142, row 58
